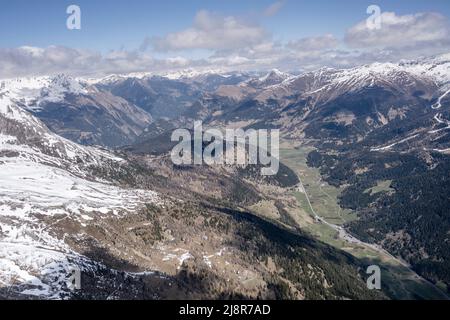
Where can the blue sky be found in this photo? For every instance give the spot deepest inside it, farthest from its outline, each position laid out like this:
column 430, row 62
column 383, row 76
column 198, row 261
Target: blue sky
column 108, row 25
column 117, row 25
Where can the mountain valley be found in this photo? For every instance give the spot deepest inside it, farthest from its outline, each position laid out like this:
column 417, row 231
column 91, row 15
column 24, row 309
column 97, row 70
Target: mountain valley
column 87, row 182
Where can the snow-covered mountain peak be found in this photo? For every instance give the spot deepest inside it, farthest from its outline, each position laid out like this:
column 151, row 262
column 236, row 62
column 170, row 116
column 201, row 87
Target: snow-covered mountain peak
column 427, row 75
column 185, row 74
column 271, row 79
column 32, row 91
column 60, row 86
column 191, row 73
column 31, row 139
column 275, row 75
column 66, row 83
column 24, row 90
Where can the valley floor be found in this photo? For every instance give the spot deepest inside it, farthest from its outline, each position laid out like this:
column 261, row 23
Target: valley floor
column 321, row 216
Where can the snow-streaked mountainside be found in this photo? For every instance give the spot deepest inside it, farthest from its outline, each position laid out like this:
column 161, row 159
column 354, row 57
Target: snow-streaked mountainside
column 77, row 110
column 45, row 179
column 32, row 92
column 345, row 104
column 435, row 69
column 186, row 74
column 114, row 111
column 275, row 76
column 328, row 83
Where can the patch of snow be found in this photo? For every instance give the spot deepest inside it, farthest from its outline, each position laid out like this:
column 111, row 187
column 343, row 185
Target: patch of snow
column 207, row 261
column 438, row 105
column 184, row 257
column 394, row 144
column 49, row 189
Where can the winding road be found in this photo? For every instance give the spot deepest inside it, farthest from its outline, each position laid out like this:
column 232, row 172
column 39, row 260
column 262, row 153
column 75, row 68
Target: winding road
column 344, row 235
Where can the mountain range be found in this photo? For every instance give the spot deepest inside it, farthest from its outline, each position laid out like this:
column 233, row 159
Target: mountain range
column 87, row 181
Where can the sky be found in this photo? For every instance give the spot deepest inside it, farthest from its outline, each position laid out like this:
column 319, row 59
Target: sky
column 121, row 36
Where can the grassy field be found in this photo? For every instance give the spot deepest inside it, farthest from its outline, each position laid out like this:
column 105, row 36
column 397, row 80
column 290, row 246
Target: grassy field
column 397, row 280
column 382, row 186
column 323, row 197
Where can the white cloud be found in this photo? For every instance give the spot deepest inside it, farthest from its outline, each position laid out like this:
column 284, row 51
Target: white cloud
column 178, row 61
column 32, row 61
column 400, row 31
column 237, row 45
column 327, row 41
column 213, row 32
column 273, row 9
column 230, row 61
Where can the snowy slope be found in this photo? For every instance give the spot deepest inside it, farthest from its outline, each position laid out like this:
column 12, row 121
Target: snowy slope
column 34, row 91
column 20, row 131
column 432, row 74
column 185, row 74
column 43, row 179
column 76, row 110
column 275, row 76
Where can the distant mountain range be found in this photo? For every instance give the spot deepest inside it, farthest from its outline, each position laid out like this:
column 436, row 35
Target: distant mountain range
column 114, row 111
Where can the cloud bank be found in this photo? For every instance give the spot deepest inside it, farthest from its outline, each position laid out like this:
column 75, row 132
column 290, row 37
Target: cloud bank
column 214, row 32
column 235, row 44
column 414, row 30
